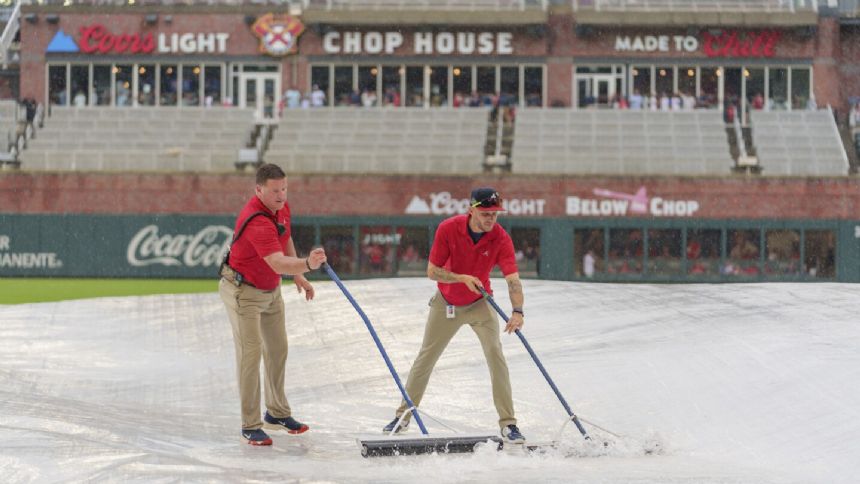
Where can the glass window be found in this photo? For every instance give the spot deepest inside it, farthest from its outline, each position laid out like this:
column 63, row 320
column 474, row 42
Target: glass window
column 367, row 84
column 146, row 85
column 625, row 251
column 212, row 85
column 413, row 251
column 509, row 77
column 304, row 238
column 438, row 85
column 533, row 79
column 687, row 86
column 527, row 250
column 709, row 86
column 80, row 83
column 123, row 75
column 57, row 84
column 754, row 78
column 168, row 85
column 190, row 85
column 664, row 252
column 588, row 252
column 415, row 86
column 338, row 244
column 462, row 85
column 819, row 253
column 343, row 91
column 378, row 247
column 783, row 252
column 703, row 252
column 642, row 80
column 320, row 78
column 391, row 86
column 800, row 92
column 664, row 84
column 778, row 88
column 486, row 83
column 743, row 253
column 101, row 84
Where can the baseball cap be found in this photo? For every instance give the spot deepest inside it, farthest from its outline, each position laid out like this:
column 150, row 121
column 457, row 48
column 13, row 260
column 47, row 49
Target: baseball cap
column 486, row 199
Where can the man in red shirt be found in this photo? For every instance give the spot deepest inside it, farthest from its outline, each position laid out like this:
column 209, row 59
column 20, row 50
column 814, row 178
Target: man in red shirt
column 250, row 287
column 465, row 250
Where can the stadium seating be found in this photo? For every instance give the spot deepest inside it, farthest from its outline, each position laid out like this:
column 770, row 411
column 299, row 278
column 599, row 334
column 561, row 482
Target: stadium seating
column 697, row 5
column 140, row 139
column 798, row 143
column 620, row 142
column 380, row 140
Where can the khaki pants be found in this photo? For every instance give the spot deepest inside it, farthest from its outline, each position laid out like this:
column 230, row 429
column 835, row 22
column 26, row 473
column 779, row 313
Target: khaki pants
column 257, row 318
column 437, row 335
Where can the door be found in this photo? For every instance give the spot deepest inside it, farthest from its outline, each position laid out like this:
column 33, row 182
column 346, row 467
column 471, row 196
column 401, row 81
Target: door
column 595, row 90
column 260, row 90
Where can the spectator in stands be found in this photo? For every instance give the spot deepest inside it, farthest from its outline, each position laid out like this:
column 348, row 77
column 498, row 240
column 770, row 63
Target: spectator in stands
column 588, row 263
column 665, row 101
column 688, row 101
column 533, row 99
column 317, row 97
column 475, row 100
column 292, row 97
column 392, row 97
column 368, row 97
column 410, row 254
column 676, row 102
column 465, row 249
column 757, row 101
column 810, row 103
column 459, row 100
column 636, row 101
column 743, row 248
column 250, row 288
column 854, row 117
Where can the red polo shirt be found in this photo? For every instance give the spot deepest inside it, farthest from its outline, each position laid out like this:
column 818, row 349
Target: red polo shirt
column 259, row 240
column 454, row 251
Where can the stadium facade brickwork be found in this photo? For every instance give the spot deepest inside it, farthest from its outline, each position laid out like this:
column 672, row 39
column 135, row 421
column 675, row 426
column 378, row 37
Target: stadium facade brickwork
column 552, row 62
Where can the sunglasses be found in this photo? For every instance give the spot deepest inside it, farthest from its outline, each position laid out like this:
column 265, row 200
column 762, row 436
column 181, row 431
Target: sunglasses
column 494, row 200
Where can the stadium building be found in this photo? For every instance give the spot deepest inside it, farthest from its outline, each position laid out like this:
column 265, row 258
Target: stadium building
column 708, row 141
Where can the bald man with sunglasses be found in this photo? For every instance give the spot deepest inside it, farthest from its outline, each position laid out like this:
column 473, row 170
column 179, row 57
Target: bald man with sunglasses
column 262, row 250
column 465, row 250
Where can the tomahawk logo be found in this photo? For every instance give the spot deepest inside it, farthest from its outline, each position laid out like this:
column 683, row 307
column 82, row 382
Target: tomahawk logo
column 278, row 35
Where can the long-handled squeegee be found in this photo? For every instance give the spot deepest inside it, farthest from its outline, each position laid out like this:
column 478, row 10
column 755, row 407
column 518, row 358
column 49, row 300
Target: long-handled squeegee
column 393, row 445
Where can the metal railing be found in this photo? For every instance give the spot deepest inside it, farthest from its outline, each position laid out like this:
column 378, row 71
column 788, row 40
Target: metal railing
column 9, row 32
column 442, row 5
column 145, row 3
column 696, row 5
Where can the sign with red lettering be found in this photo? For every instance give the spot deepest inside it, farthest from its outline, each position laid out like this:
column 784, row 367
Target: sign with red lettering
column 731, row 43
column 97, row 39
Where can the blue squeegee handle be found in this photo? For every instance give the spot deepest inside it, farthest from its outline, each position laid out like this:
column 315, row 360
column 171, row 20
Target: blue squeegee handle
column 376, row 340
column 539, row 364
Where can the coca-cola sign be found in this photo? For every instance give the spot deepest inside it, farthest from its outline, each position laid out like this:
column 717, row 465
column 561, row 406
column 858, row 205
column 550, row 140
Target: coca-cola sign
column 202, row 249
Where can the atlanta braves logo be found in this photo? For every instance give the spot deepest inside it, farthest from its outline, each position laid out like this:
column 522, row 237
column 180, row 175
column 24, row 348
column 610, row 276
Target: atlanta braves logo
column 278, row 35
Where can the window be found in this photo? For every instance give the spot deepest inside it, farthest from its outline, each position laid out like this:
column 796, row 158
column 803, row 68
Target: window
column 438, row 85
column 101, row 85
column 527, row 250
column 777, row 88
column 509, row 77
column 462, row 85
column 304, row 238
column 190, row 85
column 320, row 77
column 664, row 83
column 743, row 253
column 343, row 86
column 642, row 80
column 414, row 86
column 800, row 89
column 57, row 85
column 146, row 85
column 486, row 83
column 703, row 252
column 378, row 246
column 783, row 252
column 687, row 86
column 413, row 251
column 212, row 85
column 367, row 85
column 338, row 244
column 709, row 86
column 819, row 249
column 168, row 85
column 123, row 78
column 625, row 251
column 533, row 89
column 391, row 89
column 80, row 85
column 664, row 252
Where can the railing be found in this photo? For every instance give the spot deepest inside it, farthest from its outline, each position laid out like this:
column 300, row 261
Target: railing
column 166, row 3
column 9, row 33
column 696, row 5
column 442, row 5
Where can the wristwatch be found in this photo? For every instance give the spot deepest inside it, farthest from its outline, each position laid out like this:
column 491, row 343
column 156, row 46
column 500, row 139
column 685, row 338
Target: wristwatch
column 519, row 310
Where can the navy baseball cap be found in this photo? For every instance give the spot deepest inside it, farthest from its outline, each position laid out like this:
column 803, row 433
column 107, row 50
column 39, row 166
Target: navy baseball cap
column 486, row 199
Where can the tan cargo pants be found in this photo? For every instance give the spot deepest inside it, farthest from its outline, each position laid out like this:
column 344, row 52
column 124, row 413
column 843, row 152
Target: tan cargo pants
column 259, row 329
column 438, row 333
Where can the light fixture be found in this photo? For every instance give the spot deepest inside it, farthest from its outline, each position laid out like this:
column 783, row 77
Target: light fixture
column 691, row 72
column 456, row 71
column 151, row 18
column 31, row 18
column 52, row 18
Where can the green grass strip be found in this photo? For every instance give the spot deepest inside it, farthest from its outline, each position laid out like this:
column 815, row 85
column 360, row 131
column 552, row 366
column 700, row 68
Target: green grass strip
column 26, row 290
